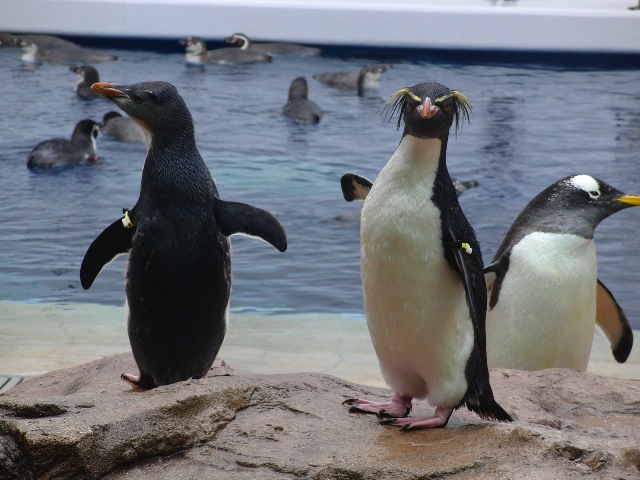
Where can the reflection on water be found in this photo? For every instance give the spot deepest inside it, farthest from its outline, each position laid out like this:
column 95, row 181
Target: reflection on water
column 530, row 127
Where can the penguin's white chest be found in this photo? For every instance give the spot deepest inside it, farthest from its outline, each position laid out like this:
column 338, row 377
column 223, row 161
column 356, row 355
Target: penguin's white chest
column 415, row 302
column 546, row 308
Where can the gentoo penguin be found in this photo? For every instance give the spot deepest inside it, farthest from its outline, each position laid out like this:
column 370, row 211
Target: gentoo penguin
column 298, row 106
column 31, row 52
column 241, row 41
column 544, row 292
column 421, row 266
column 178, row 278
column 59, row 152
column 87, row 77
column 356, row 187
column 368, row 78
column 124, row 129
column 197, row 54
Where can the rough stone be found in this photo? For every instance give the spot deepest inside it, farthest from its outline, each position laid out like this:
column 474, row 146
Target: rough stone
column 86, row 423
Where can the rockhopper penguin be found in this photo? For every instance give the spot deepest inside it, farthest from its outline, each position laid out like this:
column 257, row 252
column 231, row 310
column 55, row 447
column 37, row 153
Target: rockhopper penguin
column 424, row 292
column 544, row 294
column 178, row 278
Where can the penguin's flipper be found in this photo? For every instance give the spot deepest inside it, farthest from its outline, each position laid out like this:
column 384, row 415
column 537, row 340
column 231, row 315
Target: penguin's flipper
column 113, row 241
column 613, row 322
column 493, row 277
column 245, row 219
column 355, row 187
column 459, row 254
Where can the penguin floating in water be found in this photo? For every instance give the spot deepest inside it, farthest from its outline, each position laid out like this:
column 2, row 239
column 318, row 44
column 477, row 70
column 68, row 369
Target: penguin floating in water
column 178, row 277
column 368, row 78
column 241, row 41
column 60, row 152
column 424, row 292
column 122, row 128
column 87, row 76
column 32, row 52
column 197, row 54
column 298, row 106
column 544, row 294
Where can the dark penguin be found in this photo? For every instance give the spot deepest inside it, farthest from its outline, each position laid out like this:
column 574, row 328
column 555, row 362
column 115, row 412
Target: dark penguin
column 544, row 294
column 298, row 106
column 356, row 187
column 179, row 270
column 124, row 129
column 87, row 77
column 241, row 41
column 368, row 78
column 46, row 42
column 59, row 152
column 197, row 54
column 31, row 52
column 424, row 293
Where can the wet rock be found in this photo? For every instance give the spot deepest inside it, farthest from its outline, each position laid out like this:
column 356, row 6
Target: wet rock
column 87, row 423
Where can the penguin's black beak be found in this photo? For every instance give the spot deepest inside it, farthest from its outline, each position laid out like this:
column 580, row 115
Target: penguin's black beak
column 73, row 69
column 427, row 109
column 629, row 199
column 107, row 89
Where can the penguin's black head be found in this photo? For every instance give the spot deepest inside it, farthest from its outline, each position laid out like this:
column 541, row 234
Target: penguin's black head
column 298, row 89
column 156, row 106
column 109, row 115
column 87, row 73
column 85, row 129
column 428, row 109
column 239, row 40
column 584, row 193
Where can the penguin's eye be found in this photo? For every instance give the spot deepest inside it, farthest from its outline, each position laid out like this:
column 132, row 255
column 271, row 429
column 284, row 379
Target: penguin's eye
column 137, row 99
column 409, row 106
column 447, row 107
column 594, row 193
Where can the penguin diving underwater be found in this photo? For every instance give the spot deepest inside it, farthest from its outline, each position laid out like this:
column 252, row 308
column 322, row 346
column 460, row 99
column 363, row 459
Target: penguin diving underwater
column 421, row 267
column 544, row 294
column 178, row 278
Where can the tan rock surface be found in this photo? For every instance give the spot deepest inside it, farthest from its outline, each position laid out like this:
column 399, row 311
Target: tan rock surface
column 84, row 422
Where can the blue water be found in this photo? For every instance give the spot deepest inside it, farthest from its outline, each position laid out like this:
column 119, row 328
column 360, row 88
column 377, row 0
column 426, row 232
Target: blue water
column 530, row 126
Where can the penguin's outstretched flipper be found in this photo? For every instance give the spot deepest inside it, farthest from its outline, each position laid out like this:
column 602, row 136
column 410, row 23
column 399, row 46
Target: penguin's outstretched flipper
column 113, row 241
column 613, row 322
column 245, row 219
column 494, row 275
column 355, row 187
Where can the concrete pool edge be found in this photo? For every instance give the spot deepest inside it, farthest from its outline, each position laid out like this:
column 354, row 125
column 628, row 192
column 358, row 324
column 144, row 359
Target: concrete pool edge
column 39, row 337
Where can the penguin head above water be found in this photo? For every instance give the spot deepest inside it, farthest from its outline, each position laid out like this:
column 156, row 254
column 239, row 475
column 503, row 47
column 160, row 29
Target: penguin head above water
column 299, row 90
column 156, row 106
column 85, row 129
column 428, row 109
column 86, row 73
column 239, row 40
column 194, row 45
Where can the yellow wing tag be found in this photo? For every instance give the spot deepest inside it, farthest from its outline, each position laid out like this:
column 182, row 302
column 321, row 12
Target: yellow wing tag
column 126, row 222
column 467, row 248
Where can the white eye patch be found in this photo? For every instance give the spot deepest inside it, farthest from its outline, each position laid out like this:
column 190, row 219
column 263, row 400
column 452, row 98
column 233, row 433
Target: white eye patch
column 586, row 183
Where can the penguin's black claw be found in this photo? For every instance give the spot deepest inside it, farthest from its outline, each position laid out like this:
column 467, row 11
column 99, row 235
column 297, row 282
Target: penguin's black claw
column 405, row 428
column 349, row 401
column 387, row 421
column 383, row 414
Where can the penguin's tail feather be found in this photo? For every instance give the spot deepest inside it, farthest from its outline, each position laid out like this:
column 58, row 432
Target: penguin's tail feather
column 489, row 410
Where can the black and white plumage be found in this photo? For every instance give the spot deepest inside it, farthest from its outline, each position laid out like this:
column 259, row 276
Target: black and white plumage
column 178, row 277
column 122, row 128
column 45, row 42
column 544, row 294
column 32, row 52
column 59, row 152
column 421, row 266
column 368, row 78
column 197, row 54
column 298, row 106
column 88, row 75
column 241, row 41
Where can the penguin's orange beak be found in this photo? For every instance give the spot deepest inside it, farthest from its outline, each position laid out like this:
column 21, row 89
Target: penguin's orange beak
column 106, row 89
column 427, row 110
column 630, row 199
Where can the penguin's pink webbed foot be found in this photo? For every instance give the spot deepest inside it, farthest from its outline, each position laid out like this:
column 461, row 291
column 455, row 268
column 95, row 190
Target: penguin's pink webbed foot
column 398, row 407
column 438, row 420
column 143, row 380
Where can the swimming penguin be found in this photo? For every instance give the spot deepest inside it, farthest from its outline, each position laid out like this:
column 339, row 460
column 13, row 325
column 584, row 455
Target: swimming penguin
column 421, row 267
column 197, row 54
column 45, row 42
column 178, row 278
column 88, row 75
column 368, row 78
column 59, row 152
column 298, row 106
column 544, row 292
column 31, row 52
column 355, row 187
column 124, row 129
column 241, row 41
